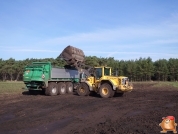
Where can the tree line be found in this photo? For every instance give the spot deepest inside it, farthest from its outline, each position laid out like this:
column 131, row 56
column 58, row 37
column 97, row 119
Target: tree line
column 142, row 69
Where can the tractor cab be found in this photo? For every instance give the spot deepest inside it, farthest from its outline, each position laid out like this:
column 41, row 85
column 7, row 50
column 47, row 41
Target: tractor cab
column 102, row 71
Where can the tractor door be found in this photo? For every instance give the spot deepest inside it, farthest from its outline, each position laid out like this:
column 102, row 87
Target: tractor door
column 98, row 76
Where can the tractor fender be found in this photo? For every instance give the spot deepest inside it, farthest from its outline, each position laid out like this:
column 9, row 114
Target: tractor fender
column 108, row 81
column 90, row 87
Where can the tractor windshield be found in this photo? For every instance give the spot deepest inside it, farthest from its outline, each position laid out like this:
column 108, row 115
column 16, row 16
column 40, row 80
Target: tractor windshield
column 107, row 71
column 98, row 73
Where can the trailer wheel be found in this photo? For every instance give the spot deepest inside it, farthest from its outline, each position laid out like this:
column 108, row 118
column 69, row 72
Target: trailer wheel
column 83, row 89
column 62, row 88
column 69, row 87
column 106, row 91
column 52, row 89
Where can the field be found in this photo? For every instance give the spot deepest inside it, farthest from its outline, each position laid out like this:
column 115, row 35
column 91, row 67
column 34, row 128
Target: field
column 11, row 87
column 137, row 112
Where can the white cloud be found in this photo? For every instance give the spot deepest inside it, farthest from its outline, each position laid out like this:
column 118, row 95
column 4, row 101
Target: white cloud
column 160, row 34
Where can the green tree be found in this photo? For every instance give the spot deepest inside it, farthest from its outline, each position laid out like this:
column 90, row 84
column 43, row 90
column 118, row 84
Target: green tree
column 173, row 69
column 161, row 69
column 10, row 68
column 130, row 69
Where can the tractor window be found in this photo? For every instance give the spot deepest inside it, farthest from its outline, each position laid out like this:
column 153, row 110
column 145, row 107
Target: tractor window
column 106, row 71
column 98, row 73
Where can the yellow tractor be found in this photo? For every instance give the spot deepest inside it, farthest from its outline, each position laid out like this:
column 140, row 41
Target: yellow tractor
column 103, row 83
column 98, row 80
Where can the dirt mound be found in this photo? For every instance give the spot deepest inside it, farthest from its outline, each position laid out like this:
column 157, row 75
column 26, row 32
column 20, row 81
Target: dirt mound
column 137, row 112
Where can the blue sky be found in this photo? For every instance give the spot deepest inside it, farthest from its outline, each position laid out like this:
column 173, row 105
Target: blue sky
column 123, row 29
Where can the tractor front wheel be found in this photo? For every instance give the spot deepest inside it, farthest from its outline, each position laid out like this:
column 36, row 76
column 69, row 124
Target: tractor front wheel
column 106, row 91
column 83, row 89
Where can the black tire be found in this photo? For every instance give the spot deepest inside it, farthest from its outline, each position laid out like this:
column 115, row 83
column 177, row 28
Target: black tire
column 106, row 91
column 83, row 89
column 69, row 87
column 52, row 89
column 62, row 88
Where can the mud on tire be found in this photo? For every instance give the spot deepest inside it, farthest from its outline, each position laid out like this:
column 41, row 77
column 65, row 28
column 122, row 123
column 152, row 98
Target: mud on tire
column 62, row 88
column 52, row 89
column 106, row 91
column 69, row 87
column 83, row 89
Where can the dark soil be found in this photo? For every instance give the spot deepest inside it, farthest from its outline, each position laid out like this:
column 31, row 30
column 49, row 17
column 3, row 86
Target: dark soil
column 137, row 112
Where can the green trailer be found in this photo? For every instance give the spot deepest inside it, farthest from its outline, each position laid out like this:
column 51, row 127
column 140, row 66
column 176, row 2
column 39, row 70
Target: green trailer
column 51, row 80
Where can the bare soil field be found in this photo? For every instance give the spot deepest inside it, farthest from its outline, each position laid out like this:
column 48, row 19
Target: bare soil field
column 137, row 112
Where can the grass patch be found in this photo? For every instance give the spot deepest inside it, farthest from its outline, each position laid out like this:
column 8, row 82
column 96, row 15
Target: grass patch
column 11, row 87
column 163, row 84
column 159, row 84
column 17, row 87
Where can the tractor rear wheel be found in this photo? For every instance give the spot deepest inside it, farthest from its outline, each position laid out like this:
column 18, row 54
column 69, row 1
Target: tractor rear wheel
column 106, row 91
column 83, row 89
column 69, row 87
column 62, row 88
column 52, row 89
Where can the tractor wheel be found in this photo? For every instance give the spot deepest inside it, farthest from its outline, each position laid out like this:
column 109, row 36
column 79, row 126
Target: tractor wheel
column 69, row 87
column 83, row 89
column 106, row 91
column 62, row 88
column 52, row 89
